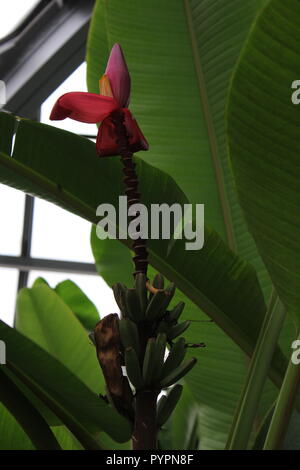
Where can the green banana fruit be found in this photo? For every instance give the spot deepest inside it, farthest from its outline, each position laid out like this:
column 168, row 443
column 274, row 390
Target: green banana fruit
column 175, row 357
column 163, row 327
column 166, row 407
column 169, row 293
column 159, row 355
column 129, row 334
column 155, row 307
column 178, row 373
column 133, row 305
column 141, row 290
column 158, row 281
column 160, row 405
column 174, row 314
column 149, row 363
column 119, row 291
column 133, row 368
column 177, row 330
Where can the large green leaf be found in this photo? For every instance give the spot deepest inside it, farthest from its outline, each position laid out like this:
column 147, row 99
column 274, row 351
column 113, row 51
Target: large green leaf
column 44, row 318
column 79, row 303
column 66, row 439
column 212, row 388
column 181, row 55
column 74, row 403
column 70, row 174
column 113, row 260
column 29, row 418
column 264, row 144
column 292, row 438
column 12, row 435
column 215, row 279
column 14, row 438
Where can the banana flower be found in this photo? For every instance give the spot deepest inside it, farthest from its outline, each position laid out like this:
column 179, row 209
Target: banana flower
column 112, row 101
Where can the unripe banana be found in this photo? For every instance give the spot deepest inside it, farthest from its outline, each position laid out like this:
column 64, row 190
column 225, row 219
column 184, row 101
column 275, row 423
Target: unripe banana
column 176, row 312
column 175, row 357
column 141, row 290
column 178, row 373
column 158, row 281
column 133, row 368
column 155, row 307
column 133, row 306
column 129, row 334
column 159, row 355
column 119, row 291
column 177, row 330
column 149, row 364
column 160, row 404
column 169, row 293
column 163, row 327
column 166, row 407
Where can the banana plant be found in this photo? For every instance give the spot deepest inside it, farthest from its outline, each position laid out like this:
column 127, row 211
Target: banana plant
column 181, row 70
column 139, row 339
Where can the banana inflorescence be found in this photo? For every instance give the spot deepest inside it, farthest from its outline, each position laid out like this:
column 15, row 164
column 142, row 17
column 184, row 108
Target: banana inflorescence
column 147, row 327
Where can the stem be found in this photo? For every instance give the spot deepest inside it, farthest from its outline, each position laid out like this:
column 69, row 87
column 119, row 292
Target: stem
column 144, row 435
column 131, row 183
column 284, row 407
column 257, row 375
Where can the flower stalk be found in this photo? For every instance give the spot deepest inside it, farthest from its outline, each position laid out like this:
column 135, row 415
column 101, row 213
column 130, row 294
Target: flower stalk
column 131, row 189
column 139, row 339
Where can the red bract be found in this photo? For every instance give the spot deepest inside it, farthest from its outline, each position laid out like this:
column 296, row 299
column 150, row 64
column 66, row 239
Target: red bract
column 112, row 100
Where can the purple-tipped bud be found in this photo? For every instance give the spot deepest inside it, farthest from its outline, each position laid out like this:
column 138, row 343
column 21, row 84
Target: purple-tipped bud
column 118, row 75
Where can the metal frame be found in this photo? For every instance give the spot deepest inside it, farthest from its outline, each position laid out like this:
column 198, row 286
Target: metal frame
column 34, row 61
column 26, row 264
column 26, row 238
column 38, row 58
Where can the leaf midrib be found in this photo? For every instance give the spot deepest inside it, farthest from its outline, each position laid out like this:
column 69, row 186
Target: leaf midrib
column 226, row 212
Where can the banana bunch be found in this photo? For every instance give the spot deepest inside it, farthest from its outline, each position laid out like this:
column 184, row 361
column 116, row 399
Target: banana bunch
column 159, row 373
column 167, row 403
column 147, row 326
column 154, row 372
column 151, row 308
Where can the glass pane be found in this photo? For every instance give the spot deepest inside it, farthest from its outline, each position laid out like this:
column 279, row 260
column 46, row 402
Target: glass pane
column 12, row 13
column 93, row 286
column 58, row 234
column 11, row 215
column 75, row 82
column 9, row 284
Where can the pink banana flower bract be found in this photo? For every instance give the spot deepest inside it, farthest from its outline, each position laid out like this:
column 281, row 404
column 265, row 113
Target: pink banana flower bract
column 93, row 108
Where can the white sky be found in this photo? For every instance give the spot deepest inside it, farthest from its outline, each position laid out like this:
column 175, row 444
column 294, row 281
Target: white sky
column 12, row 12
column 57, row 234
